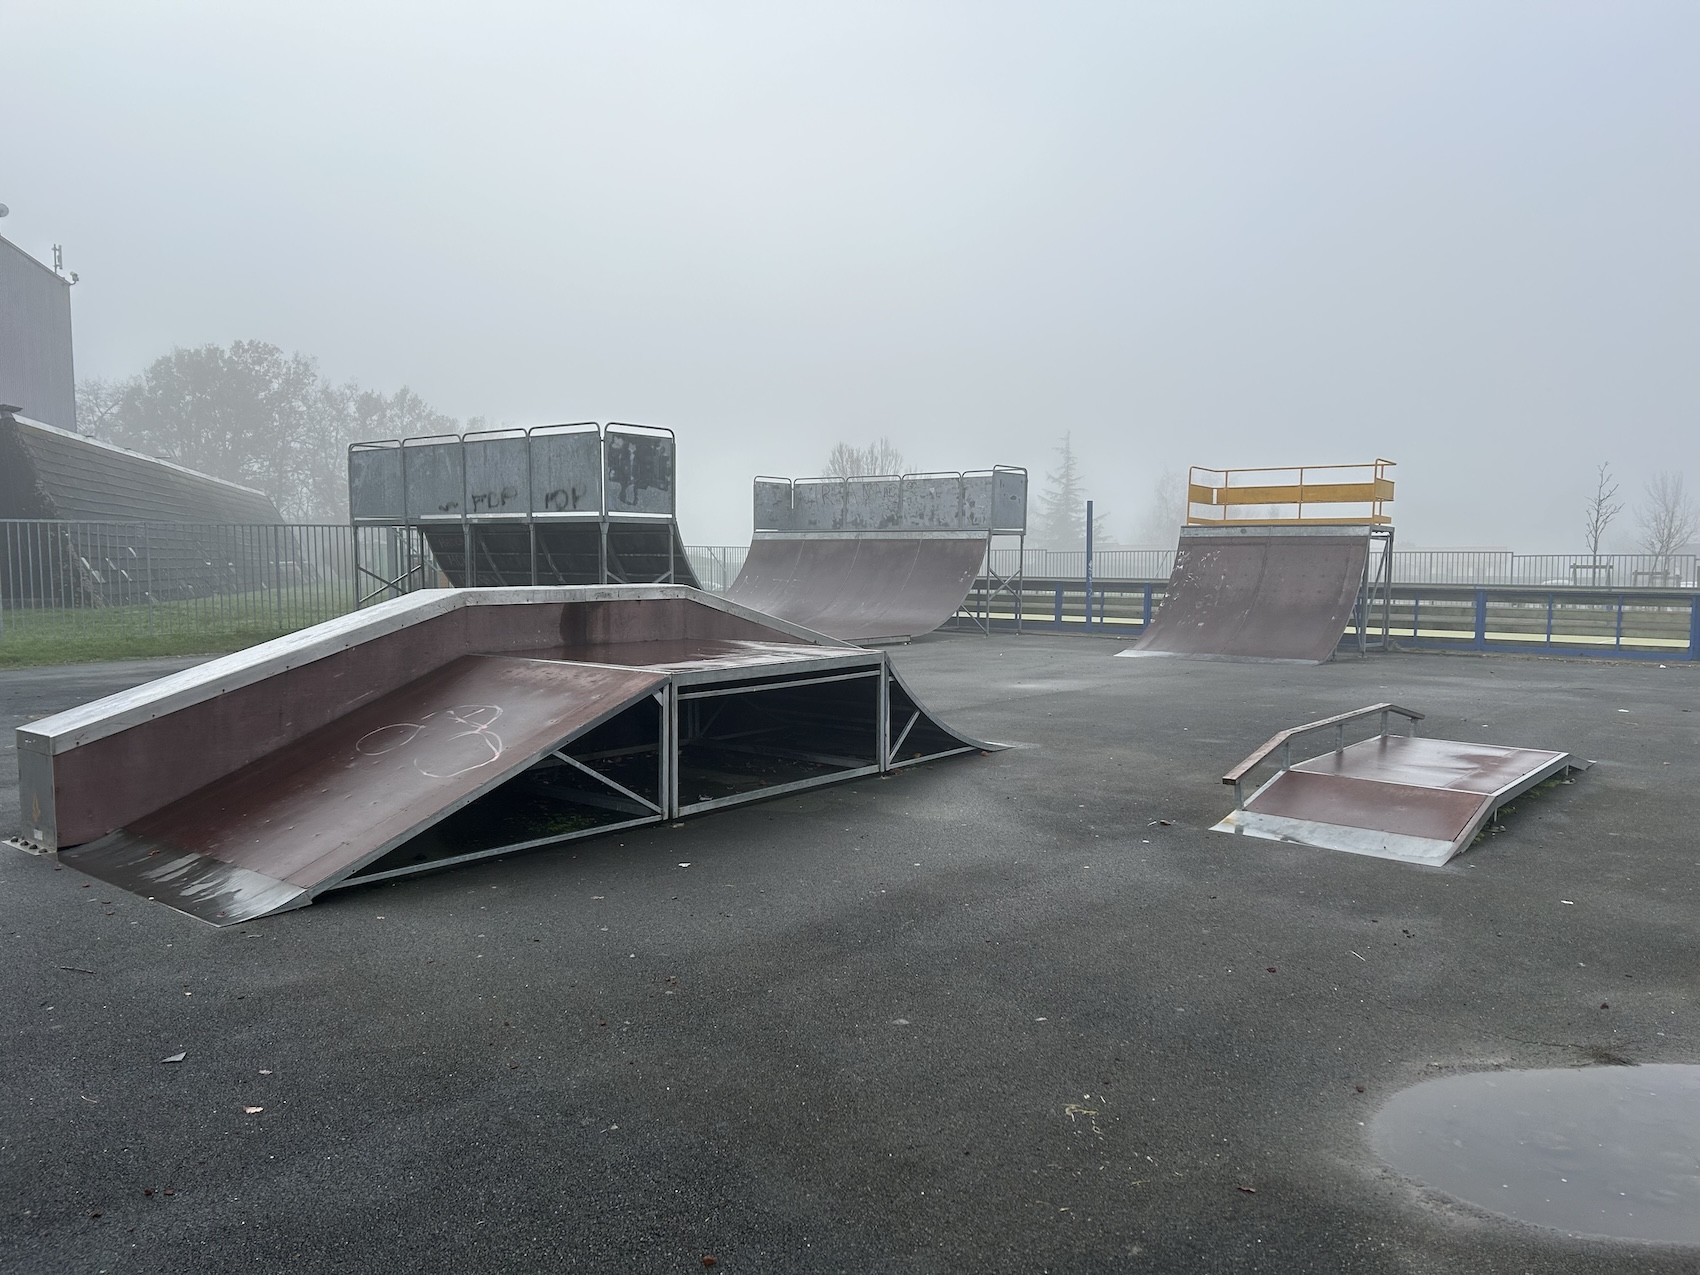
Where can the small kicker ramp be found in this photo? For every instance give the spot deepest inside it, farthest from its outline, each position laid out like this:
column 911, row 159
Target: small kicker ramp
column 1394, row 796
column 870, row 559
column 1259, row 594
column 449, row 726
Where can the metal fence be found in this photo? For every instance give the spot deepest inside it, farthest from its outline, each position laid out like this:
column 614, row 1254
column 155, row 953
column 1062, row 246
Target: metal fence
column 70, row 582
column 1623, row 624
column 74, row 585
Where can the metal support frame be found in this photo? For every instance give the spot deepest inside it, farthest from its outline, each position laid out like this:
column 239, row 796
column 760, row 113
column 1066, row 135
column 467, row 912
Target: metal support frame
column 1377, row 580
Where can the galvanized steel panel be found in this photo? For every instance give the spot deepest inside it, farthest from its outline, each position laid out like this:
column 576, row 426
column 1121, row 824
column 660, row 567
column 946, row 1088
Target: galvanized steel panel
column 915, row 502
column 496, row 474
column 639, row 475
column 873, row 504
column 1009, row 500
column 773, row 504
column 934, row 502
column 374, row 484
column 817, row 505
column 566, row 471
column 436, row 479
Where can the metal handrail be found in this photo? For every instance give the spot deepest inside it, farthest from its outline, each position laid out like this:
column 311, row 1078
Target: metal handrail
column 1284, row 741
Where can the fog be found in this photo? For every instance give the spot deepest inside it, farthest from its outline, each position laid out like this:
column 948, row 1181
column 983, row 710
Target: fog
column 1462, row 236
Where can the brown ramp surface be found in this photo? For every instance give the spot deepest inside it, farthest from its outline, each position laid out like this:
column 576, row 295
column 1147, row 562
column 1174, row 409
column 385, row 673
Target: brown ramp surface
column 1256, row 593
column 282, row 828
column 860, row 588
column 1395, row 797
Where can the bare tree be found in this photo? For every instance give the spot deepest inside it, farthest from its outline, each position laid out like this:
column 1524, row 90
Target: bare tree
column 1667, row 516
column 1602, row 507
column 97, row 399
column 1167, row 511
column 849, row 461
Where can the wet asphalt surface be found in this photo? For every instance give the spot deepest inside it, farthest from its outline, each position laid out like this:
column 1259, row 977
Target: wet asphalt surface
column 1017, row 1012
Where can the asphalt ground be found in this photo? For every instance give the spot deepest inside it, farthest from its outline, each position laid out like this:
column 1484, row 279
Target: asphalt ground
column 1009, row 1012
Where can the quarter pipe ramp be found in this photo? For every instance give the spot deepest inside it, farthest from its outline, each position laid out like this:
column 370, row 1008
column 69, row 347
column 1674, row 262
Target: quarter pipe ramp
column 860, row 589
column 1259, row 593
column 875, row 558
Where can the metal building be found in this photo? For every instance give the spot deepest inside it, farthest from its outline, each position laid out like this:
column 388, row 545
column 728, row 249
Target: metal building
column 36, row 373
column 84, row 522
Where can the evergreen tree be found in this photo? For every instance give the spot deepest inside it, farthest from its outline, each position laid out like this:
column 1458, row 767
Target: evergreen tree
column 1062, row 505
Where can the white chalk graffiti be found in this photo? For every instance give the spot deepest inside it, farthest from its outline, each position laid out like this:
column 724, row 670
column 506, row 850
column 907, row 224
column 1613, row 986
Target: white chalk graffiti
column 458, row 734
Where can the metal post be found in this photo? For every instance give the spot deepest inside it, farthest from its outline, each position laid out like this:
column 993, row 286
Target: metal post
column 1481, row 620
column 1088, row 566
column 1694, row 627
column 147, row 570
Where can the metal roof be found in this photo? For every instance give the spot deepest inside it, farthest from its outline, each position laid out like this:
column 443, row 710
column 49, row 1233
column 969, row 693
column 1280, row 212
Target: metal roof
column 53, row 473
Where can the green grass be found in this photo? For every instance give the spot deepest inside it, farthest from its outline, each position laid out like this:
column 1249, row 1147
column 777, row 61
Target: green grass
column 202, row 626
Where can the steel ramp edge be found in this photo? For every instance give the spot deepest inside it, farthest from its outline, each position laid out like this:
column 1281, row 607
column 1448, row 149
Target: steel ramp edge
column 1431, row 852
column 1206, row 657
column 899, row 730
column 150, row 858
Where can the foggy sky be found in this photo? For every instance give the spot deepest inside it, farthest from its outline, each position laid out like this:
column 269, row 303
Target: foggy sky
column 1465, row 237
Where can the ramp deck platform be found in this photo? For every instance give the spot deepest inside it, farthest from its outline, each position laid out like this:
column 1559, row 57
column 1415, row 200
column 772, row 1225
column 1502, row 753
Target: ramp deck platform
column 450, row 726
column 1394, row 797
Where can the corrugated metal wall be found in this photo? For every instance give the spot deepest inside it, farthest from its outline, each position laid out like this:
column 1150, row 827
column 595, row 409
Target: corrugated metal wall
column 36, row 372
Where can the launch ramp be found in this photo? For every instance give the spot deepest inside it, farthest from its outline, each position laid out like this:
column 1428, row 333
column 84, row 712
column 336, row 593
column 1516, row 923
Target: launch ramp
column 1393, row 797
column 878, row 558
column 523, row 718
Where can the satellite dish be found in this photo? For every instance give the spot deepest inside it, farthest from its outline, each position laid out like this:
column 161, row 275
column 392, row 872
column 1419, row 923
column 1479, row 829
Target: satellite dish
column 4, row 210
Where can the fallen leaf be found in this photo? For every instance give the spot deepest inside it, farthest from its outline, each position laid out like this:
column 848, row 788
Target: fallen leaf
column 176, row 1058
column 1249, row 1190
column 253, row 1111
column 1271, row 969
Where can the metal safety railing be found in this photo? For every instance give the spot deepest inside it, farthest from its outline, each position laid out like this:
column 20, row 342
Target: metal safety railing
column 1290, row 495
column 1283, row 740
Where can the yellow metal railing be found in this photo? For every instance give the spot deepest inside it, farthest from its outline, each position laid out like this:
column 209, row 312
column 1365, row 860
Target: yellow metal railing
column 1273, row 497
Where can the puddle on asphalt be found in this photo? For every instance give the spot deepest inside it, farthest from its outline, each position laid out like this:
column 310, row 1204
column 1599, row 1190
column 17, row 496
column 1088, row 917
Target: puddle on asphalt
column 1608, row 1151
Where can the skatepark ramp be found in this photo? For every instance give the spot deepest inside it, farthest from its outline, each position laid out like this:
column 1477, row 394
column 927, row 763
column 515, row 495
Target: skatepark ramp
column 1276, row 570
column 449, row 726
column 881, row 558
column 1393, row 796
column 554, row 504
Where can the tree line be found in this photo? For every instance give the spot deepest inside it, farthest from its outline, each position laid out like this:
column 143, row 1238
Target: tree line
column 254, row 415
